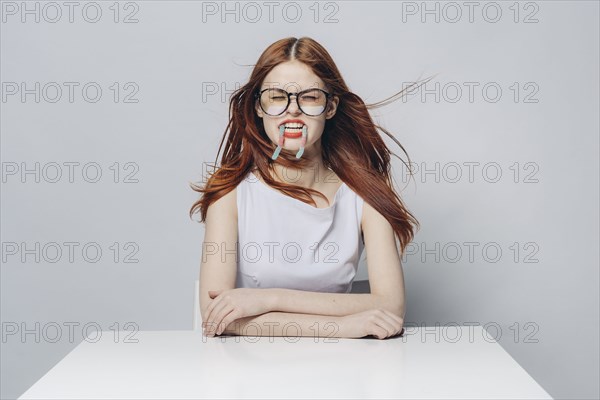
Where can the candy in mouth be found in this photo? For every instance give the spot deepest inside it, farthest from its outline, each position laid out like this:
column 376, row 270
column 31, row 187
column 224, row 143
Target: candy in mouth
column 282, row 130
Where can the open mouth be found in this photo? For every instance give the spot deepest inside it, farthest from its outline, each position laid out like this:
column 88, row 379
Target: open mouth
column 292, row 129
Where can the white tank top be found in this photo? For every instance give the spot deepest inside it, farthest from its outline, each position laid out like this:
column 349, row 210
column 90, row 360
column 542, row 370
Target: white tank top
column 286, row 243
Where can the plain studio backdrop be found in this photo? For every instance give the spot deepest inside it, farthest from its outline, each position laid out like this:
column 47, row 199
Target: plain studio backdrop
column 110, row 109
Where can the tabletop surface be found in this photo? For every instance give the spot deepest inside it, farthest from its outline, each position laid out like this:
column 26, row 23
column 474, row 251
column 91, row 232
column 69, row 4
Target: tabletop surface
column 427, row 362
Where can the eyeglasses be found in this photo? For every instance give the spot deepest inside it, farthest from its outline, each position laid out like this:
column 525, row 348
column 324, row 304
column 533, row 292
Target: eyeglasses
column 274, row 101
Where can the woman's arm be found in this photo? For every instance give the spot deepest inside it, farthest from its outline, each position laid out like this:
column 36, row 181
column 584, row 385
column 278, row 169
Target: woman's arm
column 219, row 254
column 285, row 324
column 333, row 304
column 379, row 323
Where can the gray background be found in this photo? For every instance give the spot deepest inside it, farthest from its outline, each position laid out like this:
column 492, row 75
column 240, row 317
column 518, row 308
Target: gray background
column 546, row 115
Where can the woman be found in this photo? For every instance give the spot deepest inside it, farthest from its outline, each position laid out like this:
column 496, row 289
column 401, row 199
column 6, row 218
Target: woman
column 302, row 186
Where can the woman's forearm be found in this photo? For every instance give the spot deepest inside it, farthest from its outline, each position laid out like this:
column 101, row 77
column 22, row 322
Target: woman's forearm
column 287, row 324
column 333, row 304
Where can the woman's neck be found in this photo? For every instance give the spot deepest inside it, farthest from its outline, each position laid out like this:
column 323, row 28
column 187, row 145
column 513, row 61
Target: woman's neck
column 312, row 177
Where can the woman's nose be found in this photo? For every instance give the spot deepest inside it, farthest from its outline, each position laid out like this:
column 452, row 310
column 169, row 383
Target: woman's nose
column 293, row 107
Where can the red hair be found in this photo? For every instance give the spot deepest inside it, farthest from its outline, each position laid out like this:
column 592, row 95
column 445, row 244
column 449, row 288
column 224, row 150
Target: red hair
column 351, row 145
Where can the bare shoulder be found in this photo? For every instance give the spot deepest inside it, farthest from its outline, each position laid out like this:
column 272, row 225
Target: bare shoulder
column 367, row 214
column 373, row 221
column 223, row 209
column 221, row 224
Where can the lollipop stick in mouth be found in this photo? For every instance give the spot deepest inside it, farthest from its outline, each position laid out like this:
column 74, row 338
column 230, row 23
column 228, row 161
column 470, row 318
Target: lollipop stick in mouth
column 303, row 142
column 280, row 144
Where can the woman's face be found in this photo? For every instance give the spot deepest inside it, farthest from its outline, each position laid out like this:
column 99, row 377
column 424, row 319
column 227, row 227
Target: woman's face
column 293, row 77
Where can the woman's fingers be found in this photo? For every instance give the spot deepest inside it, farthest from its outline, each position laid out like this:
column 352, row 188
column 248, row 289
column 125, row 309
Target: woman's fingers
column 215, row 296
column 217, row 326
column 379, row 330
column 386, row 321
column 227, row 319
column 212, row 316
column 397, row 318
column 211, row 307
column 219, row 314
column 396, row 321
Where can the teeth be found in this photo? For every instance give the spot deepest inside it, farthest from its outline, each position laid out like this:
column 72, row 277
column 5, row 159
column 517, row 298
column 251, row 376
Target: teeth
column 293, row 126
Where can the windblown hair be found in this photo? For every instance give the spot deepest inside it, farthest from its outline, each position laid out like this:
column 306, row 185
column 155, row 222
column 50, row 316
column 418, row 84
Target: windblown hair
column 351, row 145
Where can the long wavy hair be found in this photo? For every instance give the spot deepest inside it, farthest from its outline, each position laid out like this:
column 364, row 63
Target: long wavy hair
column 350, row 143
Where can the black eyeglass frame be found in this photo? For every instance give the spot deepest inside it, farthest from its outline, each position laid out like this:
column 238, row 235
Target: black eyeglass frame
column 328, row 96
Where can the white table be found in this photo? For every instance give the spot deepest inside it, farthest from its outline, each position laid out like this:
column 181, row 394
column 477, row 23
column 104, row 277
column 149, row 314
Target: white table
column 186, row 364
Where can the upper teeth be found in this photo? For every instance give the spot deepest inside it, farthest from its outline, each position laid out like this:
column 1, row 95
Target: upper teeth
column 293, row 125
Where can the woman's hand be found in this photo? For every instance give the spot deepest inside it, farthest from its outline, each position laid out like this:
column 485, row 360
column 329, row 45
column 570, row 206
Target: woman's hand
column 379, row 323
column 229, row 305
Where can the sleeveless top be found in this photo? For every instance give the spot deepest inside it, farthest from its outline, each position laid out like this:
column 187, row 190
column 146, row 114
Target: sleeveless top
column 286, row 243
